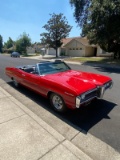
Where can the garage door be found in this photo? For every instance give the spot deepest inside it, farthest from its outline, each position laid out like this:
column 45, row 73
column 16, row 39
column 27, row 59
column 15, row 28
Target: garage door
column 52, row 51
column 75, row 53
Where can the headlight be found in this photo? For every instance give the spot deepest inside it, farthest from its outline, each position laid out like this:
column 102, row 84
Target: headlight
column 83, row 96
column 111, row 84
column 78, row 102
column 108, row 85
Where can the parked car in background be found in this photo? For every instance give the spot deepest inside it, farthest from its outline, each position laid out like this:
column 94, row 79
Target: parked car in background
column 15, row 54
column 64, row 87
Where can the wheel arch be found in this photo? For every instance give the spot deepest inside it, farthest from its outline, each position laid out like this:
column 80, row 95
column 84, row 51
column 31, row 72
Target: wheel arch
column 49, row 93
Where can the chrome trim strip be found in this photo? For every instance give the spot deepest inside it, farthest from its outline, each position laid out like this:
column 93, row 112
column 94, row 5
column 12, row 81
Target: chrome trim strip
column 90, row 91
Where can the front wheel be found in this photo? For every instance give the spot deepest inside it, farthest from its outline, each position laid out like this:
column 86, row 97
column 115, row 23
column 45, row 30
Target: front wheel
column 57, row 102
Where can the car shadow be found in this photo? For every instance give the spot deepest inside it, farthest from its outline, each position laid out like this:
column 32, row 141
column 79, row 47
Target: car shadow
column 103, row 67
column 82, row 119
column 88, row 116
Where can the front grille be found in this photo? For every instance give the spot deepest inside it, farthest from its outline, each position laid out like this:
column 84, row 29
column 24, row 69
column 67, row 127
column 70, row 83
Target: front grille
column 91, row 95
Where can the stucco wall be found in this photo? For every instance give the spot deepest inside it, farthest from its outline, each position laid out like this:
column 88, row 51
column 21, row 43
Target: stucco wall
column 52, row 51
column 102, row 53
column 74, row 44
column 89, row 51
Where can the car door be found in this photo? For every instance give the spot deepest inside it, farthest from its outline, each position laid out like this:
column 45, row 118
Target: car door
column 18, row 75
column 30, row 80
column 36, row 82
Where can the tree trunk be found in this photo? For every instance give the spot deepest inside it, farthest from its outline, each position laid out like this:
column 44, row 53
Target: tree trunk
column 56, row 52
column 116, row 55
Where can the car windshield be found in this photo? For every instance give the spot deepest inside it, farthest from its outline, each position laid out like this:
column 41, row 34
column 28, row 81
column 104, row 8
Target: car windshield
column 52, row 67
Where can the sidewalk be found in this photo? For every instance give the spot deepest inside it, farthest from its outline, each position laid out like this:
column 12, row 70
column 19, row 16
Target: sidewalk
column 24, row 136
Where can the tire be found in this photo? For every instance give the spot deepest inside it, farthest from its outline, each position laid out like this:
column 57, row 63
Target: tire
column 16, row 84
column 57, row 102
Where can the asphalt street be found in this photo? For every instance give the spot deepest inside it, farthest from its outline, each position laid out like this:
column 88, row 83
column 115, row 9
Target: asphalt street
column 101, row 118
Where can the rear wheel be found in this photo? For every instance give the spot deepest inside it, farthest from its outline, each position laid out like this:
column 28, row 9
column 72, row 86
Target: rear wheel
column 57, row 102
column 16, row 84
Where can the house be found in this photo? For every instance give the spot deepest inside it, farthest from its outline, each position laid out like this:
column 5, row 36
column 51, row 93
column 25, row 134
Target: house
column 78, row 47
column 30, row 50
column 35, row 48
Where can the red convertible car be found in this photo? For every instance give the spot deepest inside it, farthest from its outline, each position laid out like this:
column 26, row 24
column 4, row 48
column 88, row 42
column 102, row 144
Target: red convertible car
column 65, row 88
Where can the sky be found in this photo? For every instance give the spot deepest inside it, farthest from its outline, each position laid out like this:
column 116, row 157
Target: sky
column 29, row 16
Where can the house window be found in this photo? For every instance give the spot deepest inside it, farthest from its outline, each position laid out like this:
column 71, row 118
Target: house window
column 80, row 48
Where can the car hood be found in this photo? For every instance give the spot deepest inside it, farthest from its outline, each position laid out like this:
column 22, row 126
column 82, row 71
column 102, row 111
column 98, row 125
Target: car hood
column 77, row 81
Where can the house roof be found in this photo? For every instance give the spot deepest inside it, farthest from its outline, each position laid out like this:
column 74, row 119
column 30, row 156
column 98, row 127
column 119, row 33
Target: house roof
column 66, row 40
column 38, row 46
column 82, row 40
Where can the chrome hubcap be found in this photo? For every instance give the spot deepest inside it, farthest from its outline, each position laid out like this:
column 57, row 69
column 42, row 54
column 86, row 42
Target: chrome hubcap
column 57, row 102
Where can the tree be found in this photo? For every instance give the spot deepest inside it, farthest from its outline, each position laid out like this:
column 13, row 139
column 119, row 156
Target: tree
column 57, row 28
column 22, row 43
column 1, row 43
column 9, row 43
column 100, row 22
column 81, row 11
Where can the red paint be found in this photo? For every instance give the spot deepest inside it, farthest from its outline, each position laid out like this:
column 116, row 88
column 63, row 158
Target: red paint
column 68, row 84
